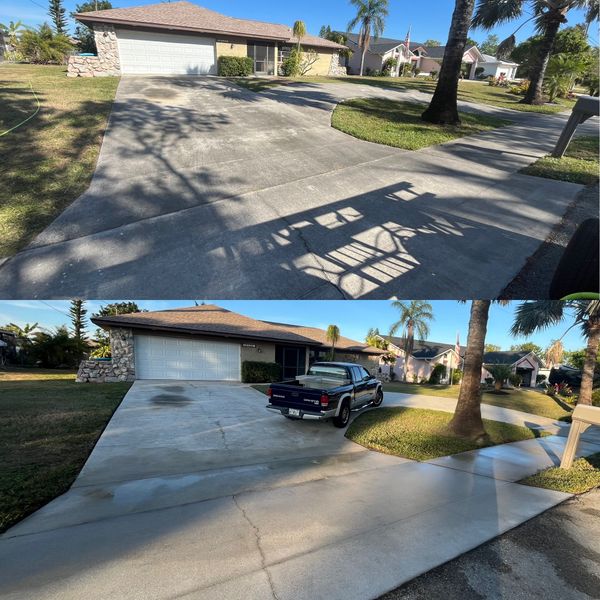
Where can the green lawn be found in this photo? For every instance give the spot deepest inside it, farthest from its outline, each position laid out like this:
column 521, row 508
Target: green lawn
column 529, row 401
column 468, row 91
column 421, row 434
column 583, row 476
column 49, row 426
column 49, row 161
column 580, row 164
column 399, row 124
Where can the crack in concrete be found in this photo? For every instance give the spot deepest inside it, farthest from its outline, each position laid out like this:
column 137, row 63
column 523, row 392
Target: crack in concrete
column 223, row 435
column 308, row 249
column 263, row 559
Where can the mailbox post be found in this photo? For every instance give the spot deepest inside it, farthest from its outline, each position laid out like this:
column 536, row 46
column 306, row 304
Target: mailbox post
column 585, row 107
column 583, row 416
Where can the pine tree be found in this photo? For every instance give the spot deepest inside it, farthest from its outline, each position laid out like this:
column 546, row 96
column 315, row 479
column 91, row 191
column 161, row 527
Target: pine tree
column 57, row 13
column 78, row 314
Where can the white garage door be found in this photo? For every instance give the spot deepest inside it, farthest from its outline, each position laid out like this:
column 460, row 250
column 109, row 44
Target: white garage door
column 165, row 53
column 175, row 358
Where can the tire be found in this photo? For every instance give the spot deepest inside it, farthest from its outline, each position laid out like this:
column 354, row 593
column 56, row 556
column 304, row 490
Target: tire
column 378, row 398
column 577, row 270
column 343, row 418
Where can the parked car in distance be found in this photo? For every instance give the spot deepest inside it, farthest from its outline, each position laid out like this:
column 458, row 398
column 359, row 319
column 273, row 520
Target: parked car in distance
column 330, row 390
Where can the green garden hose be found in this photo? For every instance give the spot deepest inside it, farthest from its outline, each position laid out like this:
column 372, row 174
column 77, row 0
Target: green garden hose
column 37, row 110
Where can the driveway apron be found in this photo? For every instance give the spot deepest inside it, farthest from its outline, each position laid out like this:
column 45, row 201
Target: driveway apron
column 195, row 491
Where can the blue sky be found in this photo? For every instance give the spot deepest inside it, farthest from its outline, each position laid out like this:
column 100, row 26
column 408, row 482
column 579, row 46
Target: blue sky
column 354, row 318
column 428, row 21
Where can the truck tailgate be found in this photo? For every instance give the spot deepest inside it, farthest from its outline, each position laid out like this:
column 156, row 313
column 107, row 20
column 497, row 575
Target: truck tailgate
column 296, row 396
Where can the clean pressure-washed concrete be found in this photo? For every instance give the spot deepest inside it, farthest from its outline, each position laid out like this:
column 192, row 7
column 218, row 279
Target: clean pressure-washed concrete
column 195, row 491
column 205, row 188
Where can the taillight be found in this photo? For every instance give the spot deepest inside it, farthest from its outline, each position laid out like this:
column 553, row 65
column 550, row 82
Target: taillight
column 324, row 400
column 269, row 392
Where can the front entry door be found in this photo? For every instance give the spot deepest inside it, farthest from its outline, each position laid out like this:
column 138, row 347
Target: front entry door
column 263, row 55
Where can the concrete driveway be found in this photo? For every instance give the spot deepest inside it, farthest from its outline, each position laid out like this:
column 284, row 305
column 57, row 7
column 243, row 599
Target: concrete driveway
column 195, row 491
column 202, row 186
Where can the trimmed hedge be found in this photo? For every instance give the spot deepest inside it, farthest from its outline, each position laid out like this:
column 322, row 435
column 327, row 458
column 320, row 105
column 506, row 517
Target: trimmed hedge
column 235, row 66
column 260, row 372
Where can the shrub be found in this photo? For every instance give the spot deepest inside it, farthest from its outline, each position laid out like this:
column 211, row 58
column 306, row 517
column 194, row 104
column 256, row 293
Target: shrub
column 389, row 65
column 539, row 378
column 260, row 372
column 515, row 379
column 596, row 397
column 415, row 378
column 102, row 352
column 235, row 66
column 43, row 46
column 438, row 373
column 456, row 376
column 500, row 373
column 290, row 66
column 392, row 375
column 479, row 71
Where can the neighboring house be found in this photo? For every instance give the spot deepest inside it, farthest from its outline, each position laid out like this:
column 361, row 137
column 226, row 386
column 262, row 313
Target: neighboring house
column 475, row 64
column 210, row 343
column 181, row 38
column 380, row 50
column 8, row 346
column 525, row 364
column 425, row 356
column 427, row 59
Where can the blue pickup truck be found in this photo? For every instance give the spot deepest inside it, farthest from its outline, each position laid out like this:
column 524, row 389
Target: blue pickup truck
column 330, row 390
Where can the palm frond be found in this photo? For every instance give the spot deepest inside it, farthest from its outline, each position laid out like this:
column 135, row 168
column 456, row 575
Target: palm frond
column 489, row 13
column 505, row 47
column 537, row 315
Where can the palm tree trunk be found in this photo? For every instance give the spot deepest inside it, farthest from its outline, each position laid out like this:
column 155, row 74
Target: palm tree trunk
column 443, row 108
column 591, row 353
column 362, row 60
column 535, row 92
column 466, row 421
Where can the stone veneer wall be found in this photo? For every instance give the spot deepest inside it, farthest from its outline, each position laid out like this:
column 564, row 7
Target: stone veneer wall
column 107, row 62
column 120, row 368
column 336, row 70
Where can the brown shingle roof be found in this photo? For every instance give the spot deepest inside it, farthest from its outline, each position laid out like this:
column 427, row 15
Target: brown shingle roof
column 210, row 319
column 186, row 16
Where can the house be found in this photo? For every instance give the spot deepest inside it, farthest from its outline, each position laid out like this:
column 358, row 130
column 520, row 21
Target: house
column 427, row 59
column 380, row 50
column 526, row 364
column 475, row 64
column 8, row 346
column 210, row 343
column 425, row 356
column 182, row 38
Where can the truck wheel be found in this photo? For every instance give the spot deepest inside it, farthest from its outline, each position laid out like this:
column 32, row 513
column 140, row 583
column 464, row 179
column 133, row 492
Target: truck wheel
column 378, row 398
column 342, row 419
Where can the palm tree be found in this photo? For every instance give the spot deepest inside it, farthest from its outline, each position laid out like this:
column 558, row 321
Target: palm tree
column 414, row 317
column 23, row 333
column 333, row 335
column 548, row 15
column 466, row 421
column 500, row 373
column 443, row 108
column 540, row 314
column 370, row 15
column 12, row 31
column 299, row 31
column 554, row 354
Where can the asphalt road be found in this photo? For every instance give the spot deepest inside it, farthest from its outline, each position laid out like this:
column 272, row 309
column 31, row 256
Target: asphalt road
column 555, row 555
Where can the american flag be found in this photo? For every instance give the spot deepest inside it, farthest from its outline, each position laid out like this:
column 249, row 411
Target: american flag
column 407, row 43
column 457, row 348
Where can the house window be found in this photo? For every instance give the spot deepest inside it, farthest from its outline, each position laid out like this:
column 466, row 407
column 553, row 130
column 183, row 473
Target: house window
column 263, row 55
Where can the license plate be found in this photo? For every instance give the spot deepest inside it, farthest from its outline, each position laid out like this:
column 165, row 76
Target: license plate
column 294, row 412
